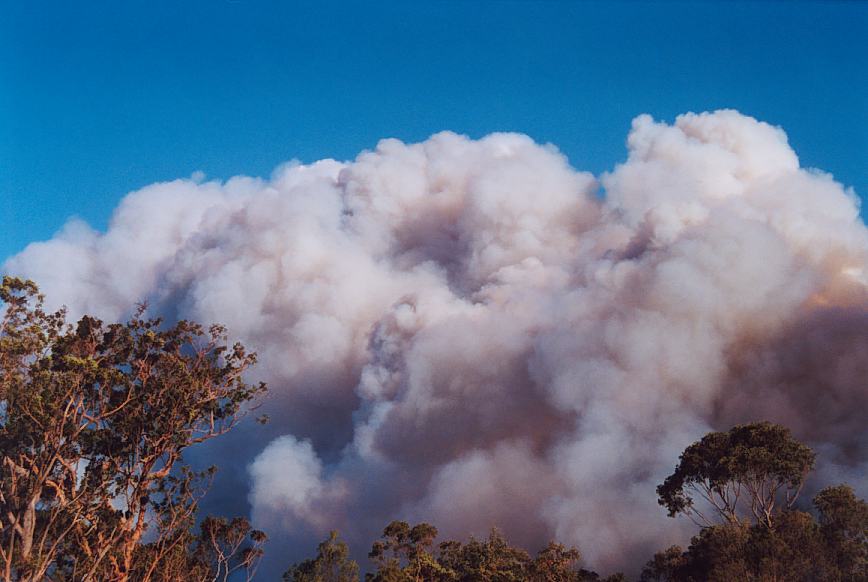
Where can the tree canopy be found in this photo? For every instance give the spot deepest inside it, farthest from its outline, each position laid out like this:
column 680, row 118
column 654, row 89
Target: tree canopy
column 94, row 420
column 750, row 477
column 331, row 564
column 408, row 553
column 752, row 469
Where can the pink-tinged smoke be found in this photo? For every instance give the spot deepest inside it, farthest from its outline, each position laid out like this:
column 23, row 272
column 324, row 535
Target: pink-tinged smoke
column 466, row 332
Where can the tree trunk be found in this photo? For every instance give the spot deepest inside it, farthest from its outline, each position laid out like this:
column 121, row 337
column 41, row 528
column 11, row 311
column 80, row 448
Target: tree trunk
column 28, row 526
column 131, row 543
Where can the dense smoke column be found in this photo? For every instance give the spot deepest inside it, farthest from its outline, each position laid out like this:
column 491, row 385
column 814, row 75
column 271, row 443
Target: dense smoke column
column 464, row 332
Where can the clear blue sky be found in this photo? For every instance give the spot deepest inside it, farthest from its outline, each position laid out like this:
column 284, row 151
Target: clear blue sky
column 99, row 98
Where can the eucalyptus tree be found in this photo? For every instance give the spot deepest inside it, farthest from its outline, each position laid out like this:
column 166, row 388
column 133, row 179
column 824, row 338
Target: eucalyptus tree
column 94, row 421
column 331, row 564
column 751, row 472
column 750, row 478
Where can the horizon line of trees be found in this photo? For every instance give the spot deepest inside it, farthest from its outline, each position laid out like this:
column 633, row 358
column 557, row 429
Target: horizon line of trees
column 95, row 419
column 739, row 486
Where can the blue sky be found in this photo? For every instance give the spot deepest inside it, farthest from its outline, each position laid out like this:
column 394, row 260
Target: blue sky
column 100, row 98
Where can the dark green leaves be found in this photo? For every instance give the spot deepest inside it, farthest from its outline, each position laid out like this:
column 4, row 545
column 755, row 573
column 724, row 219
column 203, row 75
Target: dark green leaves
column 331, row 564
column 743, row 470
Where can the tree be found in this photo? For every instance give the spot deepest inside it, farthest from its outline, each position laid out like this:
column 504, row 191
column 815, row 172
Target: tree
column 404, row 554
column 758, row 466
column 763, row 467
column 487, row 559
column 664, row 566
column 792, row 550
column 844, row 527
column 332, row 564
column 94, row 420
column 221, row 549
column 557, row 563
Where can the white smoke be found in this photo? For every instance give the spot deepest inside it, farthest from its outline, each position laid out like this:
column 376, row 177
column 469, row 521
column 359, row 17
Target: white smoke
column 464, row 332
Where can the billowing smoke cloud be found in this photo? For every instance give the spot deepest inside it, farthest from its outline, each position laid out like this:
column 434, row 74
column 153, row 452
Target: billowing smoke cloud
column 466, row 332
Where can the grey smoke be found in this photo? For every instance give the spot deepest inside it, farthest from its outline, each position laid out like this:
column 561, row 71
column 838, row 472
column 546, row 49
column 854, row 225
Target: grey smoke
column 464, row 332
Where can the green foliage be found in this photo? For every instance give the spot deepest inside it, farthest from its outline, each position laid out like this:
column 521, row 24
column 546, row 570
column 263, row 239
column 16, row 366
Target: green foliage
column 94, row 419
column 488, row 559
column 406, row 553
column 331, row 564
column 664, row 565
column 793, row 550
column 757, row 461
column 221, row 549
column 844, row 527
column 750, row 466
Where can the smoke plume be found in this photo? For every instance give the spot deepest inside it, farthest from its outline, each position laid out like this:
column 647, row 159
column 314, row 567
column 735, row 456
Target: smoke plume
column 474, row 334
